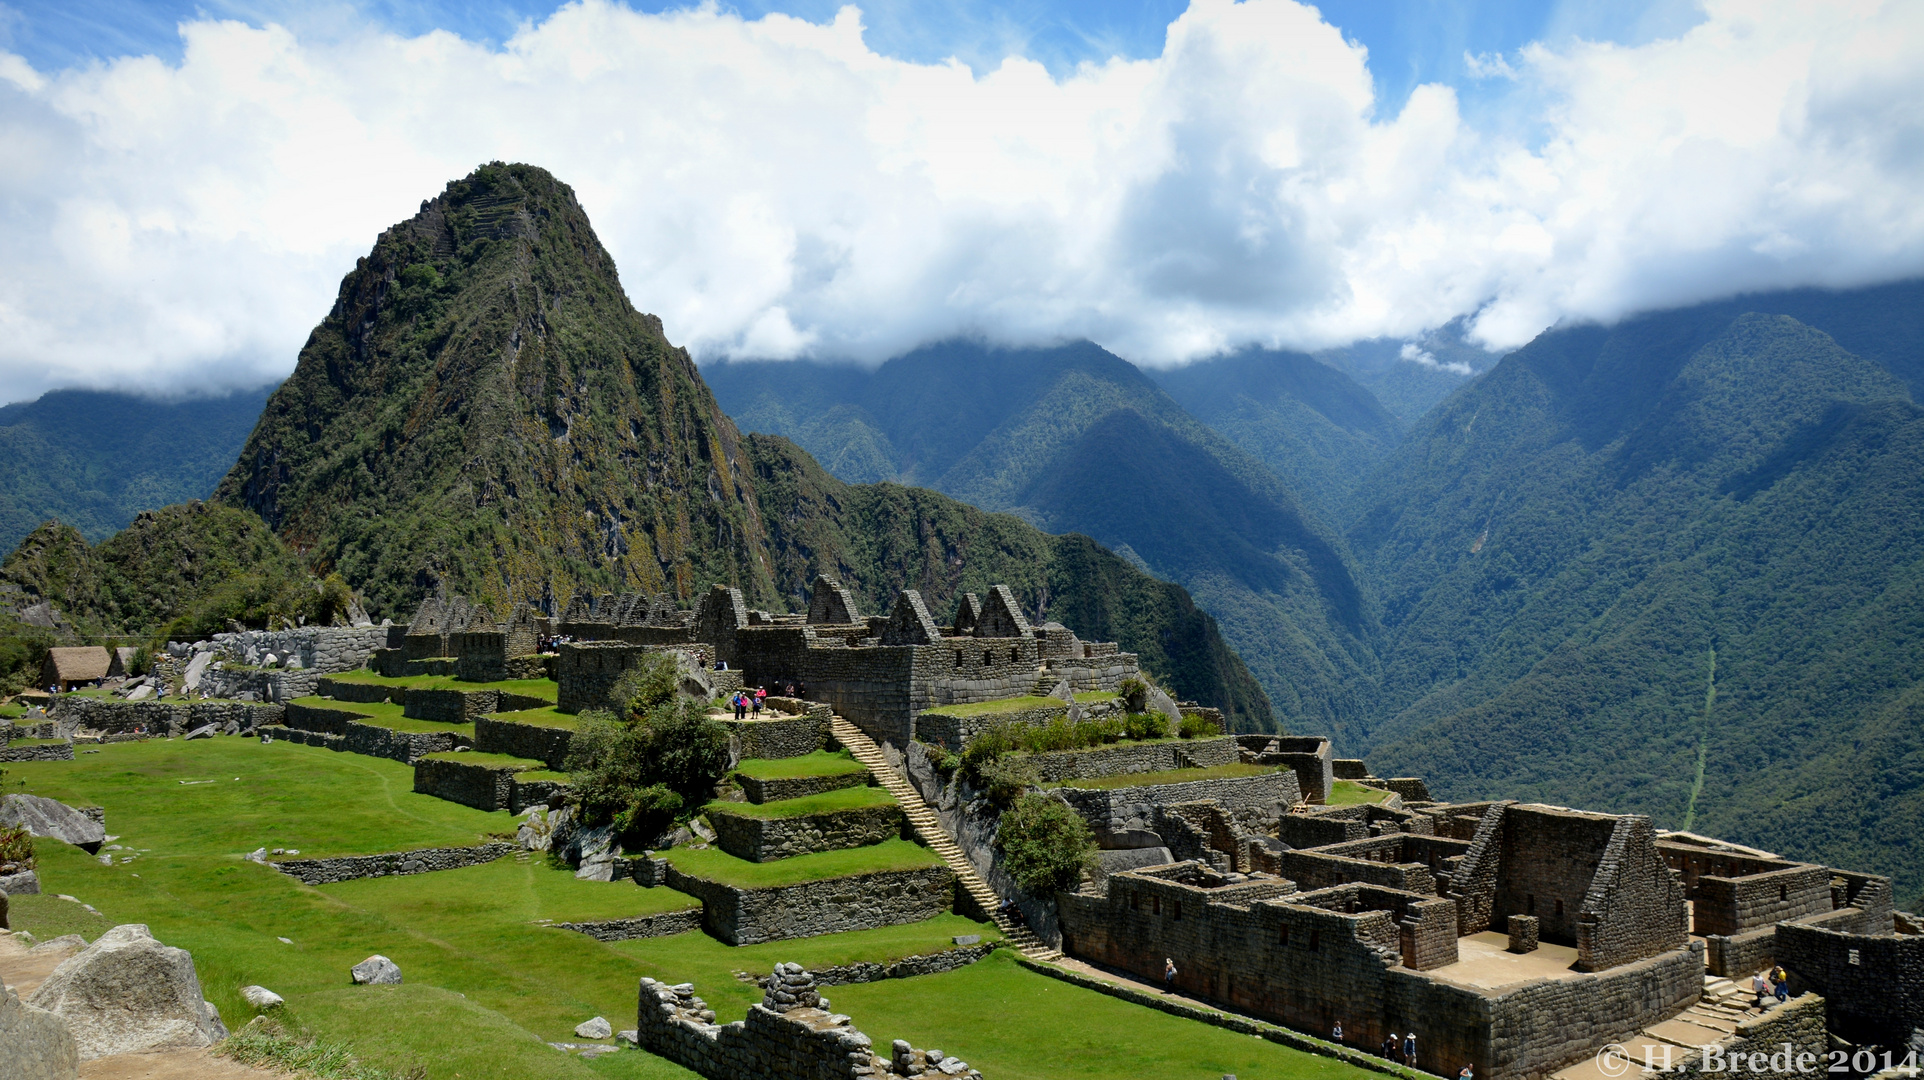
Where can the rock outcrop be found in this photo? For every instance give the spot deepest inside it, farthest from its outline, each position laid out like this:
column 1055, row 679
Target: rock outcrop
column 37, row 1044
column 377, row 970
column 52, row 820
column 128, row 994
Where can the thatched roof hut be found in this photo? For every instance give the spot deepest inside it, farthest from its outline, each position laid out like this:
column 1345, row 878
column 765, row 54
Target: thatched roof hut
column 66, row 667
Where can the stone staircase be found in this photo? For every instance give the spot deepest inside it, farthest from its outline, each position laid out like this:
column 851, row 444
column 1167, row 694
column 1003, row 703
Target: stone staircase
column 1726, row 998
column 929, row 828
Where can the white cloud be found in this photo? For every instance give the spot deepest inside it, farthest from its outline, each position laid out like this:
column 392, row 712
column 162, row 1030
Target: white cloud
column 773, row 187
column 1421, row 357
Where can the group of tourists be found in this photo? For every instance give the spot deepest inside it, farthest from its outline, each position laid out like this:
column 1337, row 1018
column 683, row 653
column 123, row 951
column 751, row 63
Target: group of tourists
column 748, row 703
column 1774, row 982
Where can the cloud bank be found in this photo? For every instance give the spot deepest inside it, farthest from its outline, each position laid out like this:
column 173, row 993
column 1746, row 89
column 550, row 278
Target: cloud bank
column 774, row 188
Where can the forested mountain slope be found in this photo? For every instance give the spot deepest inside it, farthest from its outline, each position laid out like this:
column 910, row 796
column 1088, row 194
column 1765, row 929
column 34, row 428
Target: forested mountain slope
column 483, row 406
column 94, row 459
column 1315, row 427
column 1074, row 439
column 1674, row 566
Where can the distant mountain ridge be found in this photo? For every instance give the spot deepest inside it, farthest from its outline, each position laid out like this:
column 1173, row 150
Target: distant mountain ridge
column 96, row 458
column 1075, row 439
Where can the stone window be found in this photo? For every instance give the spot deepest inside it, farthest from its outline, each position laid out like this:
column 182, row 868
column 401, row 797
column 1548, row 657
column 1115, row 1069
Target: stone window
column 1530, row 904
column 1559, row 909
column 1011, row 656
column 1179, row 909
column 1157, row 902
column 1783, row 892
column 1315, row 940
column 1282, row 937
column 985, row 658
column 1853, row 956
column 958, row 658
column 1135, row 901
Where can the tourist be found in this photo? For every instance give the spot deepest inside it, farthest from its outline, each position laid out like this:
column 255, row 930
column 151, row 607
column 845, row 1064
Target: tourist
column 1782, row 981
column 1409, row 1049
column 741, row 705
column 1465, row 1074
column 1168, row 975
column 755, row 702
column 1391, row 1048
column 1336, row 1033
column 1760, row 986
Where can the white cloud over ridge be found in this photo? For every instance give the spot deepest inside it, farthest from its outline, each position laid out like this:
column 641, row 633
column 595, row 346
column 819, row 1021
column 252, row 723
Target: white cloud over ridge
column 775, row 188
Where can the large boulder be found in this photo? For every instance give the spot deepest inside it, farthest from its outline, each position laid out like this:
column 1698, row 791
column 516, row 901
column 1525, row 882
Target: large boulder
column 596, row 851
column 53, row 820
column 38, row 1044
column 129, row 994
column 377, row 970
column 24, row 883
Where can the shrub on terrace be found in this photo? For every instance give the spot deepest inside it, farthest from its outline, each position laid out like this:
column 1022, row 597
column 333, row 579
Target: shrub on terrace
column 650, row 760
column 1194, row 726
column 16, row 848
column 1045, row 844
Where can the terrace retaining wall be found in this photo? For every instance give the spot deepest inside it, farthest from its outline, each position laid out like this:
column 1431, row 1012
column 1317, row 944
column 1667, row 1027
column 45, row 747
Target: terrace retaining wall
column 1123, row 758
column 38, row 751
column 766, row 839
column 780, row 737
column 796, row 787
column 747, row 916
column 546, row 744
column 113, row 716
column 391, row 864
column 664, row 924
column 1132, row 808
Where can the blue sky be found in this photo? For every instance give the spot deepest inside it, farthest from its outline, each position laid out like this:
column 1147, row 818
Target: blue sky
column 1410, row 41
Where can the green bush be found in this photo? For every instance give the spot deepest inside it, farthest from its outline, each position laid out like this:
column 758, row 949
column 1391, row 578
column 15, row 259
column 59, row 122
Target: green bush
column 1194, row 726
column 652, row 682
column 1134, row 693
column 16, row 847
column 1045, row 844
column 642, row 772
column 1139, row 725
column 1006, row 778
column 943, row 759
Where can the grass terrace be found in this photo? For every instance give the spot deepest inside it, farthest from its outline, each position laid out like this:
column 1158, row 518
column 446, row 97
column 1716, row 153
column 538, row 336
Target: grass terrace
column 382, row 714
column 37, row 742
column 714, row 864
column 1169, row 776
column 498, row 761
column 1351, row 793
column 548, row 717
column 1096, row 697
column 818, row 763
column 13, row 711
column 851, row 798
column 995, row 708
column 541, row 688
column 488, row 980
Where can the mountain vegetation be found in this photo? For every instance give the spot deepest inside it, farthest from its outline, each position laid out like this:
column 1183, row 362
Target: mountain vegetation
column 95, row 459
column 1077, row 440
column 484, row 407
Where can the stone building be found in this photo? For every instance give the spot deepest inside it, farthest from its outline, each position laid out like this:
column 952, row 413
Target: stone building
column 881, row 672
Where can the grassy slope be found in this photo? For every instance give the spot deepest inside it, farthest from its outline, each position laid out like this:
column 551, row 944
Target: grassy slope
column 486, row 982
column 714, row 864
column 1169, row 776
column 541, row 688
column 1606, row 507
column 381, row 714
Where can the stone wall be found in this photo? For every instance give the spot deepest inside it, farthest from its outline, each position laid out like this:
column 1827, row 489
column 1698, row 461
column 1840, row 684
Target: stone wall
column 796, row 787
column 766, row 839
column 741, row 916
column 1274, row 954
column 587, row 670
column 789, row 1039
column 1732, row 905
column 1123, row 809
column 320, row 649
column 1320, row 870
column 1122, row 758
column 484, row 787
column 1634, row 907
column 1788, row 1040
column 780, row 737
column 906, row 968
column 37, row 751
column 1314, row 831
column 665, row 924
column 112, row 716
column 390, row 864
column 546, row 744
column 938, row 728
column 463, row 706
column 1874, row 984
column 340, row 729
column 366, row 693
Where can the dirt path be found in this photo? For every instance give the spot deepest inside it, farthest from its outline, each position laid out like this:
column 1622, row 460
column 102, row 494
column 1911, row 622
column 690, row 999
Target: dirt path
column 172, row 1065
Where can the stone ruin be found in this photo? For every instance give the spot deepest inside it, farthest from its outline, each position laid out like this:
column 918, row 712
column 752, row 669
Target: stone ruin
column 791, row 1035
column 881, row 672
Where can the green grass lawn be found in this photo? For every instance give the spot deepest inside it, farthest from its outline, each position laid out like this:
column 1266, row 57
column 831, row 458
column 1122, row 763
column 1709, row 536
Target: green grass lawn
column 13, row 711
column 548, row 717
column 384, row 714
column 1170, row 776
column 819, row 763
column 1014, row 1024
column 505, row 761
column 541, row 688
column 1006, row 705
column 1351, row 793
column 36, row 742
column 851, row 798
column 714, row 864
column 486, row 981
